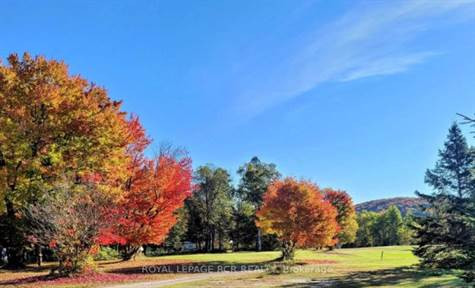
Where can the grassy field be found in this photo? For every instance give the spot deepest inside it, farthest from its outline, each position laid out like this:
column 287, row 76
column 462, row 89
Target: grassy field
column 362, row 267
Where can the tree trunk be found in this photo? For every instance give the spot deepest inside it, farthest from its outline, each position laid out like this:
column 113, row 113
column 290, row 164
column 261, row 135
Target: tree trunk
column 129, row 252
column 208, row 242
column 288, row 250
column 259, row 240
column 213, row 235
column 220, row 241
column 39, row 256
column 15, row 248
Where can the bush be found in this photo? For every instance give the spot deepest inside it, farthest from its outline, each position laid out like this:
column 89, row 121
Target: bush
column 88, row 265
column 106, row 253
column 154, row 250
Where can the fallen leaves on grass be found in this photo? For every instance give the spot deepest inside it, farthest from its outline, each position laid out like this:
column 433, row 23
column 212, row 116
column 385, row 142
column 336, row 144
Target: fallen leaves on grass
column 90, row 278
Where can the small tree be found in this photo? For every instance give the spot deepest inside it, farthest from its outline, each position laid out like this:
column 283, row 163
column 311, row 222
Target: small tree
column 69, row 222
column 298, row 214
column 346, row 217
column 394, row 225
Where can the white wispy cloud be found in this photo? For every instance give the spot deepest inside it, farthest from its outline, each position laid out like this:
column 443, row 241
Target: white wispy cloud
column 371, row 39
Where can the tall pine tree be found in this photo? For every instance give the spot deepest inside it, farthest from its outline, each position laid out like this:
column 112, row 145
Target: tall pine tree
column 255, row 178
column 445, row 233
column 453, row 171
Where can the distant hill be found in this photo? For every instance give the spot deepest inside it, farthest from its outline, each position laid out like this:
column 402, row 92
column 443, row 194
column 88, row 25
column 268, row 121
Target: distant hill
column 403, row 203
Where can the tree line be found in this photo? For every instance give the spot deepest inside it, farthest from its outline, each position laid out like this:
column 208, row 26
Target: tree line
column 219, row 216
column 385, row 228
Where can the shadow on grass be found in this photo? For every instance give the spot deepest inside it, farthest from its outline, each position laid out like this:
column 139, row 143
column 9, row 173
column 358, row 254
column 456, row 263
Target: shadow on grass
column 29, row 268
column 386, row 277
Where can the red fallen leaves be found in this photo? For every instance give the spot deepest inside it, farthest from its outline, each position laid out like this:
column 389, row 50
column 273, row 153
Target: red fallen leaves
column 89, row 278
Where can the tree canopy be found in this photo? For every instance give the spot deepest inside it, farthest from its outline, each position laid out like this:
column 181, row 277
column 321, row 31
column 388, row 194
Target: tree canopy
column 298, row 214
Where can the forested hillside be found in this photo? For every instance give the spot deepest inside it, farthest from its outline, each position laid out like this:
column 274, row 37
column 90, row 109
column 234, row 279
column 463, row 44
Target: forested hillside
column 403, row 203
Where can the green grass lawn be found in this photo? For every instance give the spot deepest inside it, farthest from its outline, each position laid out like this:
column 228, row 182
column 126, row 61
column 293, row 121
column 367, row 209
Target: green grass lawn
column 359, row 267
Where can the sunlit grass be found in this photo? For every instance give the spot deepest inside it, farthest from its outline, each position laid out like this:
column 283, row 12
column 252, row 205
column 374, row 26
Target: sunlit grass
column 392, row 266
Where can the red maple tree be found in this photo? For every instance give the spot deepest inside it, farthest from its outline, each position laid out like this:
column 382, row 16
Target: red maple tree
column 298, row 214
column 154, row 190
column 346, row 214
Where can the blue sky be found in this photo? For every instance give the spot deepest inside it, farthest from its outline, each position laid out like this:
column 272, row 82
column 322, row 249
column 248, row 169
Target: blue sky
column 352, row 95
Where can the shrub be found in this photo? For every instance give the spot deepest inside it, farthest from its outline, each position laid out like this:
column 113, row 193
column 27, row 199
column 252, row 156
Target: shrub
column 106, row 253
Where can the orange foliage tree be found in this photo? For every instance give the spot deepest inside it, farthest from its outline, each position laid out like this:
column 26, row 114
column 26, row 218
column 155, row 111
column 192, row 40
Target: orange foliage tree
column 346, row 217
column 298, row 214
column 157, row 188
column 52, row 124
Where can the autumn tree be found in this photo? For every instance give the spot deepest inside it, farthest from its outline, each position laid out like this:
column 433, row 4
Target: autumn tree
column 154, row 193
column 298, row 214
column 346, row 215
column 52, row 124
column 69, row 222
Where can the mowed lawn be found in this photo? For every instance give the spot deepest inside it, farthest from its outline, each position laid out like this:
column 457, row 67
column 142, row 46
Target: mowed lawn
column 359, row 267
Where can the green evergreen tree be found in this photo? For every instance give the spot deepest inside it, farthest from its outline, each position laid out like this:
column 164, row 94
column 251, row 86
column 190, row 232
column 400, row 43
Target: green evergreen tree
column 255, row 177
column 245, row 229
column 407, row 234
column 446, row 232
column 453, row 171
column 177, row 234
column 212, row 206
column 394, row 225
